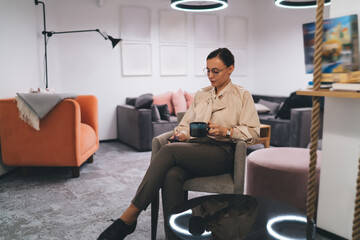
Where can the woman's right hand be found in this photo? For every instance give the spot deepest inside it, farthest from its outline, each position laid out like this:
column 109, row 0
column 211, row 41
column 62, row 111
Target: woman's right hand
column 179, row 136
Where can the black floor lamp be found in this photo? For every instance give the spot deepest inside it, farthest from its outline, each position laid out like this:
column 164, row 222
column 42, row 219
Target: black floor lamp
column 114, row 41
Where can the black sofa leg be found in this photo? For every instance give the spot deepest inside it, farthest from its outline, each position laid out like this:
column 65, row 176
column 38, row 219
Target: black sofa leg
column 186, row 195
column 24, row 171
column 75, row 172
column 90, row 159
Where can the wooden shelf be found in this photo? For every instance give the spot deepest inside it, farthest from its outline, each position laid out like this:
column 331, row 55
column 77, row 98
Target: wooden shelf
column 328, row 93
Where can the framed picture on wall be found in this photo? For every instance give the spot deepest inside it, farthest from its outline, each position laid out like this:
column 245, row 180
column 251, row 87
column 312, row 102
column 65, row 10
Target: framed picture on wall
column 206, row 29
column 173, row 60
column 135, row 24
column 173, row 27
column 136, row 59
column 235, row 31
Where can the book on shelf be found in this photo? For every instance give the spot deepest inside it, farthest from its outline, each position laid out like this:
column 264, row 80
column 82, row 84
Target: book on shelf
column 348, row 77
column 340, row 50
column 323, row 85
column 346, row 87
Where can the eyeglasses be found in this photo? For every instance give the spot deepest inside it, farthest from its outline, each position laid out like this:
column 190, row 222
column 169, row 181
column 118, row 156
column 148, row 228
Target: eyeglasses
column 214, row 71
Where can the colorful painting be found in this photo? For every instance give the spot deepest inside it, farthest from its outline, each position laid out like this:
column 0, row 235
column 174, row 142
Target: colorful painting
column 340, row 52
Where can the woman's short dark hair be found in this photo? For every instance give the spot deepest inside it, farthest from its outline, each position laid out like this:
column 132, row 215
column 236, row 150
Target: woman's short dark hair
column 224, row 54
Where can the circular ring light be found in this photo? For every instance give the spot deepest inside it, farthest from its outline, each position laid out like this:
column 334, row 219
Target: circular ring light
column 179, row 229
column 280, row 219
column 198, row 6
column 298, row 4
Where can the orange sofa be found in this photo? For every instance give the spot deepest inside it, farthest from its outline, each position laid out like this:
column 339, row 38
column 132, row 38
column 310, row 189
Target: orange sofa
column 68, row 135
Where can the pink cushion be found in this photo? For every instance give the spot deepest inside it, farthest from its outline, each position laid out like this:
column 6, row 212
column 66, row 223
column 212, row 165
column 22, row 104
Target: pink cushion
column 179, row 101
column 164, row 98
column 189, row 98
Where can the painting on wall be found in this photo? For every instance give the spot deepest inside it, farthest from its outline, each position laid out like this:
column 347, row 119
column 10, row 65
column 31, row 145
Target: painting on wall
column 340, row 53
column 135, row 24
column 206, row 29
column 136, row 59
column 173, row 60
column 173, row 27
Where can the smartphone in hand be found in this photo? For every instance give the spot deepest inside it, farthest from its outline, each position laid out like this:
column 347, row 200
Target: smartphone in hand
column 173, row 140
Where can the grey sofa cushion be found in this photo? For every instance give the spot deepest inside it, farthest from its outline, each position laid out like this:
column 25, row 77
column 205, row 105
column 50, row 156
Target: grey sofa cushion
column 261, row 109
column 155, row 114
column 164, row 112
column 273, row 106
column 130, row 101
column 144, row 101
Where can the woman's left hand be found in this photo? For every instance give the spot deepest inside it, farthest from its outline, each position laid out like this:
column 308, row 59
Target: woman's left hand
column 216, row 130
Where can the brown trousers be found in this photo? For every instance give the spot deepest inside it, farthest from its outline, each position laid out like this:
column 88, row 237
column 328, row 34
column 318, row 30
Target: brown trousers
column 174, row 163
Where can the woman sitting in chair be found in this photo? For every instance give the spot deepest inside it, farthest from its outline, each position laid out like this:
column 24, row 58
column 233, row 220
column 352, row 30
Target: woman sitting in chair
column 230, row 113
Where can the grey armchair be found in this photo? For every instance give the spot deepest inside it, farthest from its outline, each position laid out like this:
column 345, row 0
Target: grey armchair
column 225, row 184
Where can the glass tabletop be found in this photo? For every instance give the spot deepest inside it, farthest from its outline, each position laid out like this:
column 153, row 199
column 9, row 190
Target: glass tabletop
column 236, row 216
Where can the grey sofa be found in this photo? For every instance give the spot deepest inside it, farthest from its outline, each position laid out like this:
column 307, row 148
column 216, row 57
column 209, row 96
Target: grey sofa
column 136, row 128
column 293, row 132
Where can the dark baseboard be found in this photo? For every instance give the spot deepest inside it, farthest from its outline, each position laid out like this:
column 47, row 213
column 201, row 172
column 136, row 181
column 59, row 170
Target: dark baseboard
column 328, row 234
column 108, row 140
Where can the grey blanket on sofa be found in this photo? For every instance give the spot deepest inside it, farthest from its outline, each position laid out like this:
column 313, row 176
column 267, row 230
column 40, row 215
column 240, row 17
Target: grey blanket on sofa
column 34, row 106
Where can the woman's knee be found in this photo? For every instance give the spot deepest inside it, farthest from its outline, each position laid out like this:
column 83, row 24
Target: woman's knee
column 165, row 151
column 165, row 154
column 175, row 174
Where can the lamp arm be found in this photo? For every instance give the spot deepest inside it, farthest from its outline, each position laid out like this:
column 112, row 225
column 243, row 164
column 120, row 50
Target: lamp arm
column 50, row 33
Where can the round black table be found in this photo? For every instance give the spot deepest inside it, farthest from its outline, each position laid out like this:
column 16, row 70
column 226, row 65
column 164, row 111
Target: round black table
column 235, row 216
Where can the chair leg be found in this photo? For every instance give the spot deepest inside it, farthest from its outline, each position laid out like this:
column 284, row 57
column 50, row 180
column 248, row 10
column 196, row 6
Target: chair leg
column 75, row 172
column 154, row 216
column 186, row 195
column 90, row 159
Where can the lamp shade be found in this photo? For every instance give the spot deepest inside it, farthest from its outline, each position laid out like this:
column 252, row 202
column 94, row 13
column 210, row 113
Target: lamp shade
column 114, row 41
column 199, row 6
column 298, row 4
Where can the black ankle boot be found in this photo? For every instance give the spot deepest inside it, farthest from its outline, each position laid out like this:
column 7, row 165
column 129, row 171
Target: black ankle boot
column 117, row 230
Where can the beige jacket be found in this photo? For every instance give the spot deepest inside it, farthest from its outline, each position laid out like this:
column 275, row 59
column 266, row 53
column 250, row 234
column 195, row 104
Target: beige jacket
column 232, row 108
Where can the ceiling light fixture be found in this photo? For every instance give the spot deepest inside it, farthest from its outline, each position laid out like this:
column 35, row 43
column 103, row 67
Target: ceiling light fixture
column 199, row 6
column 298, row 4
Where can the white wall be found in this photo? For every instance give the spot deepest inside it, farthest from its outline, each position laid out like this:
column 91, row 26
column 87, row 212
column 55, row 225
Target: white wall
column 86, row 64
column 20, row 62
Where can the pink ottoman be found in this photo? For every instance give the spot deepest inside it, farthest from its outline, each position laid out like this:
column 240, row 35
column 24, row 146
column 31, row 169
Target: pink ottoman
column 280, row 173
